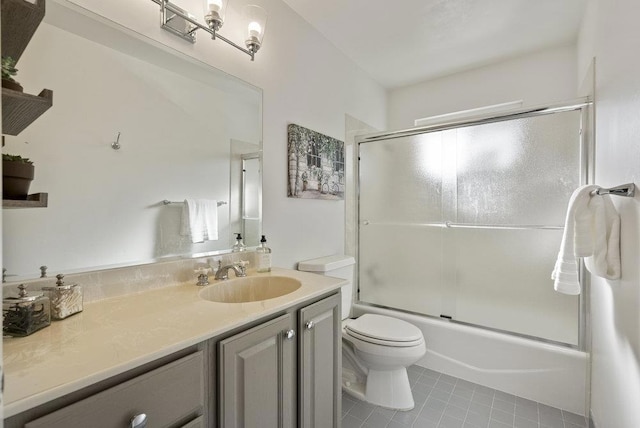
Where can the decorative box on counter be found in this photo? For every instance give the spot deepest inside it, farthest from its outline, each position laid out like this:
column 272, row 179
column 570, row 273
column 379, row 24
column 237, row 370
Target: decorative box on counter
column 25, row 314
column 65, row 299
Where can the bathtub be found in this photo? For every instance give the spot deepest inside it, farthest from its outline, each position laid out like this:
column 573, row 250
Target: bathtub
column 546, row 373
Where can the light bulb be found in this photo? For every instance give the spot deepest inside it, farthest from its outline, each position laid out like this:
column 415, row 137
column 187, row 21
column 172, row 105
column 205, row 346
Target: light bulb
column 255, row 29
column 214, row 5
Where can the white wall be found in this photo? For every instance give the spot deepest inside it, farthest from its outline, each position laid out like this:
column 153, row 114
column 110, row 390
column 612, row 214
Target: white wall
column 539, row 78
column 611, row 34
column 306, row 81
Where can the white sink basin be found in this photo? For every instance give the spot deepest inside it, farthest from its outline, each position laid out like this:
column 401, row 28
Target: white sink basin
column 250, row 289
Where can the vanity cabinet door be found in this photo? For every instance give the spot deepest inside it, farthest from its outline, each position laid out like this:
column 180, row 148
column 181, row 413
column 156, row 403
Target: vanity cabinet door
column 320, row 362
column 168, row 397
column 258, row 376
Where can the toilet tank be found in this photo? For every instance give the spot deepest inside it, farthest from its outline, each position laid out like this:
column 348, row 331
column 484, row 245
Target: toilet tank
column 339, row 267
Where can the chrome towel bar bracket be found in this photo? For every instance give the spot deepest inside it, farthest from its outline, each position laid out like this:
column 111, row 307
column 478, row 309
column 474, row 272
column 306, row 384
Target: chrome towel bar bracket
column 168, row 202
column 628, row 190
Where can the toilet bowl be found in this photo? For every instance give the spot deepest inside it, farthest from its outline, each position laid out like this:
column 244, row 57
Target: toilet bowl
column 376, row 349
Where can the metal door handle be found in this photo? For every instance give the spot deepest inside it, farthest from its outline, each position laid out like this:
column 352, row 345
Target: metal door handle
column 289, row 334
column 139, row 421
column 309, row 325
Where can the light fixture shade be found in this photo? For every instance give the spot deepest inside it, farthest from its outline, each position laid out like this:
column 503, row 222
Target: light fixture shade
column 214, row 11
column 256, row 19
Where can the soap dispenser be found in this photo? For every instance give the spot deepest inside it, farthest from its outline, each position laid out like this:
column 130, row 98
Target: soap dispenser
column 25, row 314
column 239, row 245
column 264, row 256
column 66, row 299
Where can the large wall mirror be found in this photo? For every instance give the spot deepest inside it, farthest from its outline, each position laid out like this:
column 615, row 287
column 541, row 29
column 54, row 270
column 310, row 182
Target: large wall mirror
column 187, row 131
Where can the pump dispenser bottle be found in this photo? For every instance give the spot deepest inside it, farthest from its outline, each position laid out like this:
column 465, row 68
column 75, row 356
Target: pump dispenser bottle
column 264, row 256
column 239, row 245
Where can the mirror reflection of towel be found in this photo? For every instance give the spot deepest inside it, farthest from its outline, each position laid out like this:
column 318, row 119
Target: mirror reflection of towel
column 200, row 219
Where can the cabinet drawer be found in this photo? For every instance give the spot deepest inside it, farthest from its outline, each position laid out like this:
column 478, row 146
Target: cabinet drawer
column 170, row 396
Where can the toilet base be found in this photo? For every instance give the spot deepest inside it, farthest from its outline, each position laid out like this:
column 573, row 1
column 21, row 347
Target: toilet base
column 389, row 388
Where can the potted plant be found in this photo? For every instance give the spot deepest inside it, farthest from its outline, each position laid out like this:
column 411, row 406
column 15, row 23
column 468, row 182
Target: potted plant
column 8, row 71
column 17, row 174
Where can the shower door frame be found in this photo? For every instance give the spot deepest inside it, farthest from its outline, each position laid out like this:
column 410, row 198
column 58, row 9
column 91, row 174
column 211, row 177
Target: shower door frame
column 587, row 171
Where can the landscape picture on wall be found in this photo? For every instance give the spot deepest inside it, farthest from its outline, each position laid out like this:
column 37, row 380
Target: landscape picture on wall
column 316, row 165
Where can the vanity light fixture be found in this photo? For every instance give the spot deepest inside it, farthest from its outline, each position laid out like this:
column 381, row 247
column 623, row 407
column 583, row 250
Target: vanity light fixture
column 181, row 23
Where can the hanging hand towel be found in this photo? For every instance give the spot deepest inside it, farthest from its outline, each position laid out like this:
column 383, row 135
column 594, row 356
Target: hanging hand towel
column 200, row 219
column 577, row 230
column 604, row 261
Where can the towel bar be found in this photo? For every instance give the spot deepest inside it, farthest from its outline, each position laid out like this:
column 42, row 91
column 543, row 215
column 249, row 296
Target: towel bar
column 167, row 202
column 622, row 190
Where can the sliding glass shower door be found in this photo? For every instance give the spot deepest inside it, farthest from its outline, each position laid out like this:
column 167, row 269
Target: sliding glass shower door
column 465, row 223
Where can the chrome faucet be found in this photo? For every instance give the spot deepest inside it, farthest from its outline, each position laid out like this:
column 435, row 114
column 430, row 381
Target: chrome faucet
column 239, row 268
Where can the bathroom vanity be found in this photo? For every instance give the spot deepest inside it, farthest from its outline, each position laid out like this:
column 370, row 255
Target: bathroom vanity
column 171, row 358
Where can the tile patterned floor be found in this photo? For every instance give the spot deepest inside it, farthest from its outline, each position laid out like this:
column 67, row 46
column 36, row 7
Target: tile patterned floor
column 444, row 401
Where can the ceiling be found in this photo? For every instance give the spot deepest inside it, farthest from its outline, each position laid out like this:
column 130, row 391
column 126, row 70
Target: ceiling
column 409, row 41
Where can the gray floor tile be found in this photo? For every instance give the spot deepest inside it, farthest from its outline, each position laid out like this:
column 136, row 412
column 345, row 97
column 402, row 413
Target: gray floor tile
column 497, row 424
column 450, row 422
column 525, row 423
column 455, row 412
column 527, row 412
column 361, row 410
column 351, row 422
column 463, row 392
column 500, row 416
column 574, row 419
column 424, row 423
column 504, row 406
column 377, row 420
column 459, row 401
column 477, row 419
column 487, row 400
column 443, row 401
column 444, row 386
column 447, row 378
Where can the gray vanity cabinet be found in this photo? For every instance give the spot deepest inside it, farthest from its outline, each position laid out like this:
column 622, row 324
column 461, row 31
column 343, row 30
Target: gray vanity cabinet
column 285, row 372
column 258, row 376
column 319, row 364
column 170, row 396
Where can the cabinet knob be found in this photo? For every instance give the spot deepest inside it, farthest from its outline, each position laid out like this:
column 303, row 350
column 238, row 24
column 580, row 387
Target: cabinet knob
column 139, row 421
column 309, row 325
column 289, row 334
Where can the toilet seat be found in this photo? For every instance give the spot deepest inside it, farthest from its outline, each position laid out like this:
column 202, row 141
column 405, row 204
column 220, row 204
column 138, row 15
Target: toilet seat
column 385, row 331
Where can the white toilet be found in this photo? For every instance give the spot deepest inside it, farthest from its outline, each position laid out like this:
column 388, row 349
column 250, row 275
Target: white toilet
column 376, row 349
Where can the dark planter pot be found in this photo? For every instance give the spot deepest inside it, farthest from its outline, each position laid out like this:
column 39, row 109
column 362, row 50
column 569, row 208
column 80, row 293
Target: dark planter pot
column 16, row 179
column 10, row 84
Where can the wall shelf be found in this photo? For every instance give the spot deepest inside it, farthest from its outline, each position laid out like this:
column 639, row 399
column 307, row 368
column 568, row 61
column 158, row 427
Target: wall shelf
column 20, row 19
column 19, row 110
column 36, row 200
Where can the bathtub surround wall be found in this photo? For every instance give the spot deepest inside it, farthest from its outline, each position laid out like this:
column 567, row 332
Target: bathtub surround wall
column 296, row 68
column 610, row 33
column 540, row 78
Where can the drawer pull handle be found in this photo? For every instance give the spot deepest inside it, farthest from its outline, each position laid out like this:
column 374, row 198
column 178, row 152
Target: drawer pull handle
column 289, row 334
column 309, row 325
column 139, row 421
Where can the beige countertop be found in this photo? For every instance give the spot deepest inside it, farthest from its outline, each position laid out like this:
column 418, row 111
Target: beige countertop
column 114, row 335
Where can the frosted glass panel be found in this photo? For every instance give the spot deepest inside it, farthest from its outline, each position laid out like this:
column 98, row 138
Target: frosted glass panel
column 503, row 281
column 514, row 173
column 392, row 273
column 519, row 171
column 401, row 179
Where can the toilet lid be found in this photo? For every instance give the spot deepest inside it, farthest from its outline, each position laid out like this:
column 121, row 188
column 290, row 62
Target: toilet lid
column 384, row 330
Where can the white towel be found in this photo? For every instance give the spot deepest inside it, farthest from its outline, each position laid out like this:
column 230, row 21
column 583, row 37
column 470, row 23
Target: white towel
column 592, row 230
column 200, row 219
column 605, row 259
